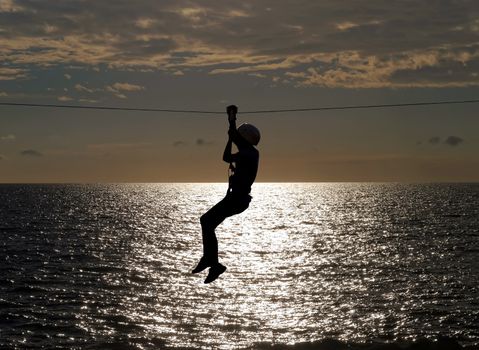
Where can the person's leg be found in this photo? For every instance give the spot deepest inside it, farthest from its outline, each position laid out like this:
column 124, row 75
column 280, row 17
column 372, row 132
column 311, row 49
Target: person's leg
column 234, row 205
column 209, row 221
column 230, row 205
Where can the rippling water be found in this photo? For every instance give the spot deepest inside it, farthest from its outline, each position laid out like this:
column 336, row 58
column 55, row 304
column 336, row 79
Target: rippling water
column 109, row 265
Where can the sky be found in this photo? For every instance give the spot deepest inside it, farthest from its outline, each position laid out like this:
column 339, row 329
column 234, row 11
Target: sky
column 259, row 54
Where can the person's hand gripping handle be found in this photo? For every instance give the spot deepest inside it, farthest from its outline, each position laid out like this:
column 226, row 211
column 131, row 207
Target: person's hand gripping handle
column 231, row 111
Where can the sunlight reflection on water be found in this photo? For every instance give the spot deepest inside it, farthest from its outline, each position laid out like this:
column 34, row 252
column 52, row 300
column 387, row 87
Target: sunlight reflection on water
column 305, row 262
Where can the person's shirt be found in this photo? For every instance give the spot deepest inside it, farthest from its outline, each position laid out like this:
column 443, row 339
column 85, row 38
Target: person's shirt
column 246, row 162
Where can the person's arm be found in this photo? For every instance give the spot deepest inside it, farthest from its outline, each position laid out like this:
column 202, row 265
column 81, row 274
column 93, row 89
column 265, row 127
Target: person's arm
column 233, row 133
column 227, row 153
column 231, row 110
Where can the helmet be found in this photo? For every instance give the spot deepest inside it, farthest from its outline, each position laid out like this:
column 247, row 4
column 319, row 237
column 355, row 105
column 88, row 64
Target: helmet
column 250, row 133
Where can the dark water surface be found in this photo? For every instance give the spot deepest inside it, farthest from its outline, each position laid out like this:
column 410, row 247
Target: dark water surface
column 107, row 266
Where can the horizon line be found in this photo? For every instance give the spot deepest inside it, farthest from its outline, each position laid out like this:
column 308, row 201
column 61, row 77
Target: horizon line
column 219, row 182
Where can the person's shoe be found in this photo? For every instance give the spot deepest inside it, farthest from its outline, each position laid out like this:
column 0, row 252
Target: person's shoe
column 202, row 265
column 215, row 271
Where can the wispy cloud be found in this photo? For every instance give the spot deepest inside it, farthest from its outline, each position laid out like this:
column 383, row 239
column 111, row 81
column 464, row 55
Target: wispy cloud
column 453, row 141
column 122, row 96
column 117, row 87
column 145, row 23
column 9, row 6
column 9, row 137
column 89, row 100
column 202, row 142
column 82, row 88
column 351, row 44
column 12, row 73
column 434, row 140
column 198, row 142
column 31, row 153
column 67, row 76
column 179, row 143
column 64, row 98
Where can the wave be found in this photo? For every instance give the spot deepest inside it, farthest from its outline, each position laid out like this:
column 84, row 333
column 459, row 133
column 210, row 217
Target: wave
column 441, row 343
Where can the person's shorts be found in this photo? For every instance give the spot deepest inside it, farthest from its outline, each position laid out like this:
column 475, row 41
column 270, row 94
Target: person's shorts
column 237, row 202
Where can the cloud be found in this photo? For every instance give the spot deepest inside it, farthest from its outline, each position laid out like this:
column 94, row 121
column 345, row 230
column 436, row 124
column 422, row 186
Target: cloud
column 118, row 88
column 348, row 44
column 199, row 142
column 434, row 140
column 64, row 98
column 179, row 143
column 50, row 29
column 9, row 137
column 31, row 153
column 67, row 76
column 9, row 6
column 202, row 142
column 12, row 73
column 82, row 88
column 453, row 141
column 145, row 23
column 124, row 87
column 89, row 100
column 450, row 141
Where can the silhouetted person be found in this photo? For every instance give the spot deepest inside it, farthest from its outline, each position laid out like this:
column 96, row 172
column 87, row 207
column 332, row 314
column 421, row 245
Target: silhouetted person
column 244, row 166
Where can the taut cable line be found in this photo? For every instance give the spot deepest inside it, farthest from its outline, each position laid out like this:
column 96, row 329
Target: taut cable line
column 265, row 111
column 391, row 105
column 113, row 108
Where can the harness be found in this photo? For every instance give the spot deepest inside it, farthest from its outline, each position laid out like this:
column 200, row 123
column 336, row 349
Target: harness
column 231, row 171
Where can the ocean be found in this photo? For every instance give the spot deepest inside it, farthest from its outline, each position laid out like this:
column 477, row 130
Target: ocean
column 108, row 266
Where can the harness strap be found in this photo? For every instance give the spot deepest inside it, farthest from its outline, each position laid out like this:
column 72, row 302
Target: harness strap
column 231, row 170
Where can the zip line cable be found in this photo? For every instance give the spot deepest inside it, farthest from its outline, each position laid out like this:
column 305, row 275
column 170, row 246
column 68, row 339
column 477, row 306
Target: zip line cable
column 392, row 105
column 266, row 111
column 136, row 109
